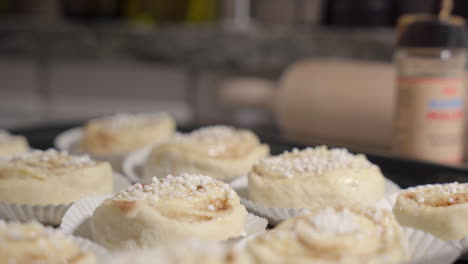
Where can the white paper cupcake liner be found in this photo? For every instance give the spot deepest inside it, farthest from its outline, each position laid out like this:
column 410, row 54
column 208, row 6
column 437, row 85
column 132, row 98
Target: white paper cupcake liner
column 70, row 140
column 86, row 245
column 425, row 248
column 51, row 214
column 120, row 182
column 389, row 202
column 76, row 219
column 45, row 214
column 277, row 215
column 133, row 163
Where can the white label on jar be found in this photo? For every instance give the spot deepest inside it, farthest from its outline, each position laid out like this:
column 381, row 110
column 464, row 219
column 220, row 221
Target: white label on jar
column 430, row 119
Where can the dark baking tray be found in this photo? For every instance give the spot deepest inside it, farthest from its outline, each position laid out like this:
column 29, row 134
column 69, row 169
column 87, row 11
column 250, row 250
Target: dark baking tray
column 405, row 172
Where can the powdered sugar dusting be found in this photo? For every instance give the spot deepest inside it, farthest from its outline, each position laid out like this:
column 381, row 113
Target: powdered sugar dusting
column 185, row 186
column 314, row 161
column 122, row 120
column 335, row 222
column 213, row 133
column 217, row 139
column 52, row 157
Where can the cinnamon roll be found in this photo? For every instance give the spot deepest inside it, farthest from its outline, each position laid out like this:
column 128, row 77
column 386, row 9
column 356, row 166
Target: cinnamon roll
column 185, row 252
column 315, row 178
column 33, row 243
column 11, row 144
column 346, row 235
column 52, row 177
column 123, row 133
column 221, row 152
column 441, row 209
column 167, row 210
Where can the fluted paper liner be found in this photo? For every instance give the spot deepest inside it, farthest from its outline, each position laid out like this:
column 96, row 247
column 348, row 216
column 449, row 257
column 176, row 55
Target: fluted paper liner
column 133, row 163
column 51, row 214
column 425, row 248
column 70, row 141
column 76, row 219
column 389, row 201
column 91, row 247
column 277, row 215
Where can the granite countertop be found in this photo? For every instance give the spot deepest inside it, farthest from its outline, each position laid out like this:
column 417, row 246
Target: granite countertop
column 209, row 47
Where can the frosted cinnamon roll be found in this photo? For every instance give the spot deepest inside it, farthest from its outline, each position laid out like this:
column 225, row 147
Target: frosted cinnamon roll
column 315, row 178
column 186, row 252
column 52, row 177
column 33, row 243
column 11, row 144
column 123, row 133
column 332, row 235
column 221, row 152
column 441, row 209
column 167, row 210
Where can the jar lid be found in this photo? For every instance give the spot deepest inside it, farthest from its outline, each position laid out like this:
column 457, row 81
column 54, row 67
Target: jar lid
column 428, row 31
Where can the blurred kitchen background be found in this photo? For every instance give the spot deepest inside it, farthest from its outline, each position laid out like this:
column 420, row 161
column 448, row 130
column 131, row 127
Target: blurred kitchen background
column 65, row 61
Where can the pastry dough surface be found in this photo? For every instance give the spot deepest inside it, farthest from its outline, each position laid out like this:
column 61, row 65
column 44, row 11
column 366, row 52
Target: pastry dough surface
column 33, row 243
column 315, row 178
column 167, row 210
column 441, row 209
column 52, row 177
column 221, row 152
column 332, row 235
column 123, row 133
column 11, row 144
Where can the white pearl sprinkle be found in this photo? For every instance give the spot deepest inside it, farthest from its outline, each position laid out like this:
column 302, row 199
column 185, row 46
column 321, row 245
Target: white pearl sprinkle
column 124, row 120
column 52, row 157
column 421, row 200
column 331, row 221
column 217, row 139
column 314, row 161
column 184, row 186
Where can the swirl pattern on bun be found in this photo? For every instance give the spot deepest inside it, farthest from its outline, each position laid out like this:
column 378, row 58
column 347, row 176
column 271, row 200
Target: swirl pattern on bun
column 315, row 178
column 184, row 252
column 441, row 209
column 33, row 243
column 332, row 235
column 123, row 133
column 221, row 152
column 52, row 177
column 11, row 144
column 167, row 210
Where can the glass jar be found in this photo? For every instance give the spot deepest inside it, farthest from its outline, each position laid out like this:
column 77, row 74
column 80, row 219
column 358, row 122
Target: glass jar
column 430, row 63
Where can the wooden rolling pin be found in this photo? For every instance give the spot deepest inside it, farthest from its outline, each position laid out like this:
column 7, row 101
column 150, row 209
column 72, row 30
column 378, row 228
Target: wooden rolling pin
column 334, row 102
